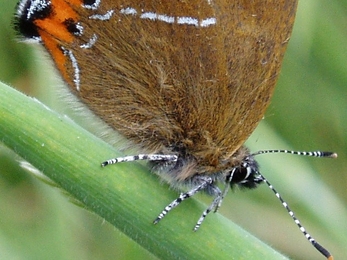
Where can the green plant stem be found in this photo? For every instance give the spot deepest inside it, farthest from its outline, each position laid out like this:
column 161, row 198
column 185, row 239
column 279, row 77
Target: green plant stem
column 126, row 195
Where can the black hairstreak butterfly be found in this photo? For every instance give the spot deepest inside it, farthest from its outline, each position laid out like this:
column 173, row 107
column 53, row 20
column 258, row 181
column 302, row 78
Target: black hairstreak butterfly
column 186, row 81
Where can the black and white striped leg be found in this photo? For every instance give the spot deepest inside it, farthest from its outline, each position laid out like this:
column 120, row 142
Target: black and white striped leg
column 213, row 206
column 148, row 157
column 217, row 202
column 226, row 189
column 204, row 182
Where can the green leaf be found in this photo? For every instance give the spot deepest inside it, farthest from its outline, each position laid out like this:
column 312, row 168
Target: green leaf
column 126, row 195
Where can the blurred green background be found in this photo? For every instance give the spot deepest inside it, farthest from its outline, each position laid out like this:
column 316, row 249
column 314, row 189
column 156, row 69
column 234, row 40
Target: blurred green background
column 308, row 112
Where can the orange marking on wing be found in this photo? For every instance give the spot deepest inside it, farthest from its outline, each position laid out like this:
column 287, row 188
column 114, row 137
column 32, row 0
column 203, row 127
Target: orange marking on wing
column 55, row 23
column 54, row 29
column 57, row 54
column 75, row 2
column 63, row 10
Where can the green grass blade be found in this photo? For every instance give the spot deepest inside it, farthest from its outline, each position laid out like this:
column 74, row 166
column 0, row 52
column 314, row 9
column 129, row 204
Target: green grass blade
column 125, row 195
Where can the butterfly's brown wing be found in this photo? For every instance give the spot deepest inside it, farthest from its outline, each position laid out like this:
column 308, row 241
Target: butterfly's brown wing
column 190, row 75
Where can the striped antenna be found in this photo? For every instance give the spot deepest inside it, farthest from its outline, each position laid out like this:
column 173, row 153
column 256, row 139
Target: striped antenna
column 318, row 246
column 313, row 154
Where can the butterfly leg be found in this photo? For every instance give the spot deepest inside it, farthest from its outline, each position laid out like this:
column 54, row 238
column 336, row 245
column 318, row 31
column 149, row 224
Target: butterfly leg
column 203, row 182
column 216, row 203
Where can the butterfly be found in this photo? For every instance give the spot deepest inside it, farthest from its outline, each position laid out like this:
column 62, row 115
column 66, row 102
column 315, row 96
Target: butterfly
column 186, row 81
